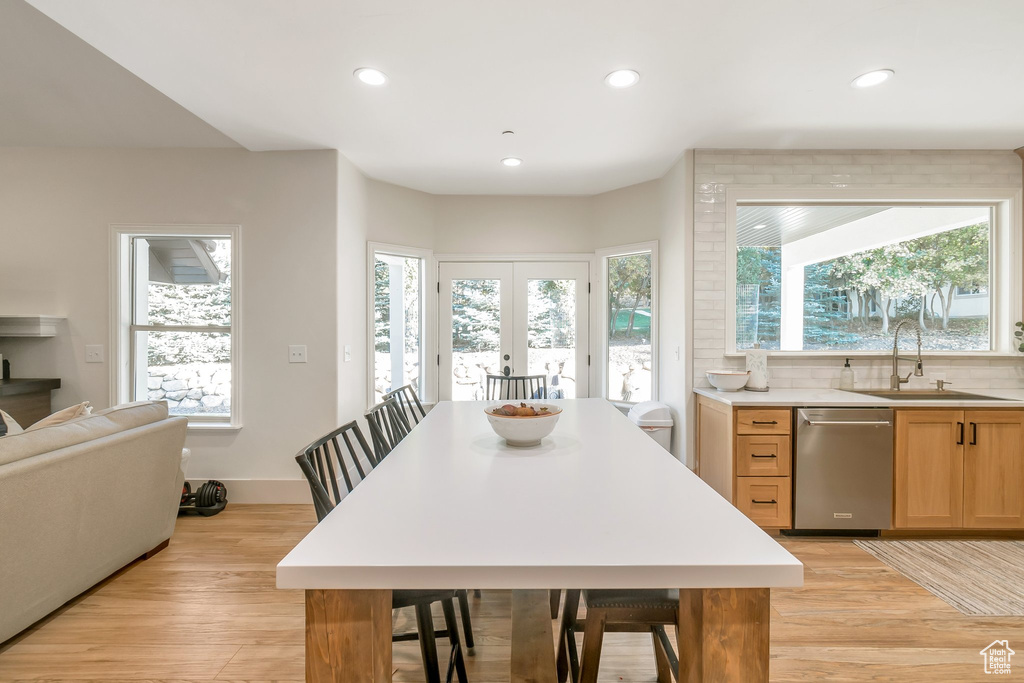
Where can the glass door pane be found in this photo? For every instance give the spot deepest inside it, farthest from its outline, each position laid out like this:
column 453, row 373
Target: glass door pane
column 551, row 334
column 552, row 325
column 476, row 307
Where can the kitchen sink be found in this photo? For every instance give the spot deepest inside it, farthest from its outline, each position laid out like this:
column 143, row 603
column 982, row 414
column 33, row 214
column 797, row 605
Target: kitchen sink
column 925, row 395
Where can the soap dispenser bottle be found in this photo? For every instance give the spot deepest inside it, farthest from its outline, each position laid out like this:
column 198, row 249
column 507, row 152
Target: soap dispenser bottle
column 846, row 376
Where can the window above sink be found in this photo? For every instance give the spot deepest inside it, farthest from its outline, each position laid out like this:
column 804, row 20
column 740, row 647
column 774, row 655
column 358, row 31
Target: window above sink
column 831, row 271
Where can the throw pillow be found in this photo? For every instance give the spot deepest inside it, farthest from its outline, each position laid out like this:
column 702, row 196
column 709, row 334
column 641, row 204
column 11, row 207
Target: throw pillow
column 8, row 425
column 60, row 416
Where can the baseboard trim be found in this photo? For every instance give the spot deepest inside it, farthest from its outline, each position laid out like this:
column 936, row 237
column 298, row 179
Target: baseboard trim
column 285, row 491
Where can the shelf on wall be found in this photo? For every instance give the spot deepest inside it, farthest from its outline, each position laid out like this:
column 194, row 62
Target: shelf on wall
column 29, row 325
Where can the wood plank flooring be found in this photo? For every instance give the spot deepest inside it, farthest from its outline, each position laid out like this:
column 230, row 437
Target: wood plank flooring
column 206, row 609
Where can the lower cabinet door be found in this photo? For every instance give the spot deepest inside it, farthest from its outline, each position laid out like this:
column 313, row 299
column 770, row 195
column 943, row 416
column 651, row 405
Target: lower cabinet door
column 929, row 469
column 994, row 469
column 767, row 501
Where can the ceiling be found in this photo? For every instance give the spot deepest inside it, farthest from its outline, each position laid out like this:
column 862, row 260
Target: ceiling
column 733, row 73
column 56, row 90
column 768, row 225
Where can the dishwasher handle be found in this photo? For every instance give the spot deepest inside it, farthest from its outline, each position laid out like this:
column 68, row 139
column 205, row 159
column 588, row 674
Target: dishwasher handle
column 814, row 423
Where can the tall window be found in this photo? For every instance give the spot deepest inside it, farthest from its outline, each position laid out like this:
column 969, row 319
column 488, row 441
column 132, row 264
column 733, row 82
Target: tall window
column 398, row 323
column 178, row 298
column 839, row 277
column 630, row 287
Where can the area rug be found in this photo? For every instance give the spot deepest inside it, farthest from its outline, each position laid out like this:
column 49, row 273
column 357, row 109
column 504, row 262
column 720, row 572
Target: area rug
column 978, row 578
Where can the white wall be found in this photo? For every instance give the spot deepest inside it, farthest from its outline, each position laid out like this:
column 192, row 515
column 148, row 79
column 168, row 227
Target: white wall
column 717, row 170
column 398, row 215
column 56, row 206
column 475, row 224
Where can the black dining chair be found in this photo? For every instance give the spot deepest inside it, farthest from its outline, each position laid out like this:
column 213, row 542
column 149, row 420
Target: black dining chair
column 331, row 473
column 408, row 403
column 388, row 426
column 635, row 611
column 516, row 388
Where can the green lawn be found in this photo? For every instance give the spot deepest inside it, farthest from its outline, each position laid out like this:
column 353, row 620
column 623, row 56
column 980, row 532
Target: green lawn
column 641, row 323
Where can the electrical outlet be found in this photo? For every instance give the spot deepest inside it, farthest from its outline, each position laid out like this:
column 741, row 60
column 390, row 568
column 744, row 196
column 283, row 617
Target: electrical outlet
column 94, row 353
column 297, row 353
column 348, row 352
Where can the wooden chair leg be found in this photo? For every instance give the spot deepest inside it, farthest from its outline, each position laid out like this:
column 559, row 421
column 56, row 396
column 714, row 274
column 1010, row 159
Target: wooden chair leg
column 555, row 596
column 428, row 643
column 661, row 658
column 452, row 625
column 593, row 638
column 467, row 621
column 566, row 636
column 477, row 593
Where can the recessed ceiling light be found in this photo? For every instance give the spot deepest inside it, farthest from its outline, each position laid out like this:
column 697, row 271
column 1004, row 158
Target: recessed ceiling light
column 511, row 161
column 371, row 76
column 623, row 78
column 873, row 78
column 760, row 226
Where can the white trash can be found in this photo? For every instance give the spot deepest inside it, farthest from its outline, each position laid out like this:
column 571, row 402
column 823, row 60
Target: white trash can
column 655, row 418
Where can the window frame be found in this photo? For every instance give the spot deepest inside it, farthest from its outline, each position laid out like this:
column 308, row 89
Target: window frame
column 599, row 316
column 428, row 316
column 1004, row 248
column 123, row 327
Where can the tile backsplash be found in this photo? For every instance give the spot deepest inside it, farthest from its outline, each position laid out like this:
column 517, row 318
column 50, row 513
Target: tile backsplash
column 717, row 170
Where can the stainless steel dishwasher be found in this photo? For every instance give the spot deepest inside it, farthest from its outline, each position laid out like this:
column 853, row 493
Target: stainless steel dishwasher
column 844, row 468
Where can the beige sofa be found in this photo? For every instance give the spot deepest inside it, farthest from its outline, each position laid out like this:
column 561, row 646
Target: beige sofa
column 80, row 500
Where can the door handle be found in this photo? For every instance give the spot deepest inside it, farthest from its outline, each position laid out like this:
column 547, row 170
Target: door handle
column 974, row 434
column 755, row 455
column 960, row 440
column 507, row 371
column 847, row 422
column 764, row 502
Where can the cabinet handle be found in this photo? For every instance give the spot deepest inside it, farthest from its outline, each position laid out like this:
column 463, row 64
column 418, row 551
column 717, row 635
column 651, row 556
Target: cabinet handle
column 766, row 422
column 755, row 455
column 764, row 502
column 974, row 434
column 960, row 440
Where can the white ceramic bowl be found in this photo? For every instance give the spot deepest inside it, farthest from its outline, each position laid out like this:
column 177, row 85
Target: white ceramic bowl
column 523, row 431
column 728, row 380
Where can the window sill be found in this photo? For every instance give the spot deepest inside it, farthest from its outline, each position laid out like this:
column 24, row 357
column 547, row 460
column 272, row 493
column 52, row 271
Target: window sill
column 211, row 426
column 885, row 355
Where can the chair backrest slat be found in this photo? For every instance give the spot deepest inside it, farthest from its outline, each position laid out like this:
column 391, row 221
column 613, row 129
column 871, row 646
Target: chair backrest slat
column 388, row 426
column 320, row 463
column 513, row 388
column 408, row 403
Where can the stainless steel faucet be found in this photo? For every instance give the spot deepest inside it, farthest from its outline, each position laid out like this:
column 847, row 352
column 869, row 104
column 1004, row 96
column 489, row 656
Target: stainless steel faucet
column 894, row 379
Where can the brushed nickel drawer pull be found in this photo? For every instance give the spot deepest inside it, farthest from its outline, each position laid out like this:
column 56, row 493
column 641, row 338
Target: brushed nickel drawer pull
column 766, row 422
column 755, row 455
column 764, row 502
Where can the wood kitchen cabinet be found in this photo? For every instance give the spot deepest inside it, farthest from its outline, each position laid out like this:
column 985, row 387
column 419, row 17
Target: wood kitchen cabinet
column 746, row 454
column 994, row 469
column 959, row 469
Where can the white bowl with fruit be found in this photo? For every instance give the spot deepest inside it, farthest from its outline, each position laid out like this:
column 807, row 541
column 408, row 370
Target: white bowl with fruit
column 522, row 424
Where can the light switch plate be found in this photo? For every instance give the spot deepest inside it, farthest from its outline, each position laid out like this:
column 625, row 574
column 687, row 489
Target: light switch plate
column 94, row 353
column 297, row 353
column 348, row 352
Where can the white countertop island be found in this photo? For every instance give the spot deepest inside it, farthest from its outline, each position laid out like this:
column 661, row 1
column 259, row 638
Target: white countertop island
column 597, row 505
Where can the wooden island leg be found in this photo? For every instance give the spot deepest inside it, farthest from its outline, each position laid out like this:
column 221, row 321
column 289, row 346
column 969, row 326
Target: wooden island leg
column 533, row 649
column 724, row 635
column 348, row 636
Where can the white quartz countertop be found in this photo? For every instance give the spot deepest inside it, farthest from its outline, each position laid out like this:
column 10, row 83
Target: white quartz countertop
column 986, row 398
column 597, row 504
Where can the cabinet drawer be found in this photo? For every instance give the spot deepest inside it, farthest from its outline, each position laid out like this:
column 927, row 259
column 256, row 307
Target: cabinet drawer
column 767, row 501
column 763, row 456
column 763, row 420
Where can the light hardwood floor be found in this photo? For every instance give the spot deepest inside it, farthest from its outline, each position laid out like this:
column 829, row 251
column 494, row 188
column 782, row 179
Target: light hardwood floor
column 206, row 609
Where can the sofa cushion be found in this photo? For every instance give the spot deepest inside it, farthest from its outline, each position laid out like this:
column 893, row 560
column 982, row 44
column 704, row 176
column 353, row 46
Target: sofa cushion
column 69, row 413
column 81, row 429
column 10, row 425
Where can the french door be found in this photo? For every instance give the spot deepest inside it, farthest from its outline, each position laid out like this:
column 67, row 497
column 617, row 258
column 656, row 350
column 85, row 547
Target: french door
column 522, row 318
